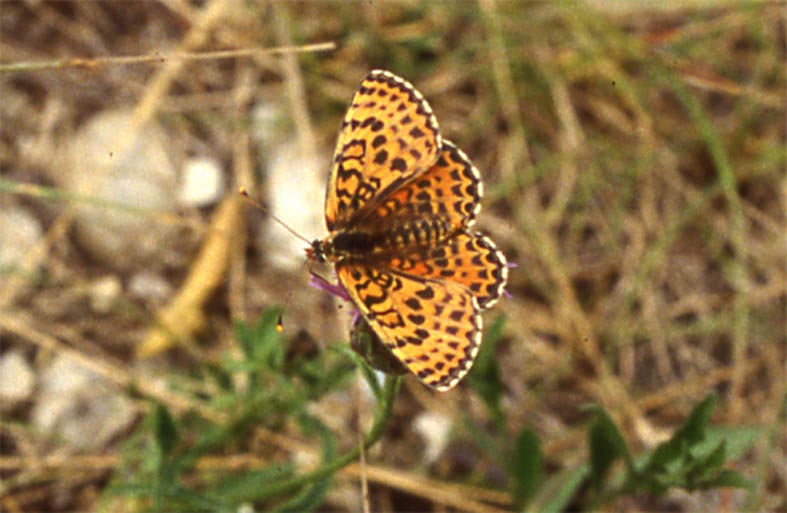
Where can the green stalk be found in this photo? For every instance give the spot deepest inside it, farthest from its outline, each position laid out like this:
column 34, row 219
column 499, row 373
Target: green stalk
column 381, row 418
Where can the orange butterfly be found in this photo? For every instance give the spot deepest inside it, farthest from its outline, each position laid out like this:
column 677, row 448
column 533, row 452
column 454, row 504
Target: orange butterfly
column 399, row 207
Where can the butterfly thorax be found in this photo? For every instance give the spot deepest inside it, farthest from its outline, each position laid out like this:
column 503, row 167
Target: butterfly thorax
column 362, row 244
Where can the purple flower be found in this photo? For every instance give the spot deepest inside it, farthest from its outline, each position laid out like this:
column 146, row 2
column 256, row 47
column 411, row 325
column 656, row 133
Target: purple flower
column 318, row 282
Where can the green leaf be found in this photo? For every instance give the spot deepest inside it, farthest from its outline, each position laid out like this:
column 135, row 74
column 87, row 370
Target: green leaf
column 713, row 461
column 668, row 456
column 485, row 378
column 313, row 495
column 218, row 375
column 665, row 454
column 164, row 430
column 322, row 374
column 237, row 489
column 166, row 436
column 180, row 498
column 728, row 479
column 606, row 444
column 694, row 457
column 269, row 349
column 706, row 471
column 693, row 431
column 245, row 334
column 261, row 341
column 701, row 468
column 307, row 500
column 739, row 439
column 556, row 493
column 525, row 467
column 487, row 442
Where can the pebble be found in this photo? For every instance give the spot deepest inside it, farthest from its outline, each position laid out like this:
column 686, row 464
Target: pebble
column 102, row 163
column 202, row 182
column 17, row 379
column 104, row 292
column 435, row 429
column 79, row 406
column 294, row 184
column 150, row 287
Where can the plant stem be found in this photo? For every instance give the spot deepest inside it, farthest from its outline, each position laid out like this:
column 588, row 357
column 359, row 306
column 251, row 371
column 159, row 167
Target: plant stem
column 381, row 418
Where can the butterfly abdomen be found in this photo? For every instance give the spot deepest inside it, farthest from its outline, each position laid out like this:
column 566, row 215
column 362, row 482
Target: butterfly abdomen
column 409, row 234
column 421, row 232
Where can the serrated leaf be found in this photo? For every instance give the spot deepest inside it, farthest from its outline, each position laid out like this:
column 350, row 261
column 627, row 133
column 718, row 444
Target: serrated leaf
column 525, row 467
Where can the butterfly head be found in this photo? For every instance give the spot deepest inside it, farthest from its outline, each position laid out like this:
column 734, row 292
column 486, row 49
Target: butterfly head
column 318, row 251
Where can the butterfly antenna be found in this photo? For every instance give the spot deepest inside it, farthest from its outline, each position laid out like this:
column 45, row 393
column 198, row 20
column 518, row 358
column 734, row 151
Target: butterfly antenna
column 243, row 192
column 280, row 318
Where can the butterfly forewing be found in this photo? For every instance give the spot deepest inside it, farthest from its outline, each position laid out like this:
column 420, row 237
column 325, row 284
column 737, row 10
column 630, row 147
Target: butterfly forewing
column 388, row 136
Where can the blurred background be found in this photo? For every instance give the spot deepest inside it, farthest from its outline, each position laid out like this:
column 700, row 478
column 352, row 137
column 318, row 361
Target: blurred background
column 633, row 155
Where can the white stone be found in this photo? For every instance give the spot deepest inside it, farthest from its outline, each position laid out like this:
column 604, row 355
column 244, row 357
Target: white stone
column 79, row 406
column 150, row 287
column 270, row 124
column 104, row 292
column 435, row 429
column 124, row 179
column 17, row 379
column 202, row 182
column 295, row 190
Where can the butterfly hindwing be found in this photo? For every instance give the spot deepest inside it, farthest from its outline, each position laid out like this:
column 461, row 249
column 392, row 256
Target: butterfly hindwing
column 469, row 259
column 433, row 327
column 451, row 189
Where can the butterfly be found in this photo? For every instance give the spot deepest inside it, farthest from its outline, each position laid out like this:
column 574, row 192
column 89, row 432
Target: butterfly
column 399, row 208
